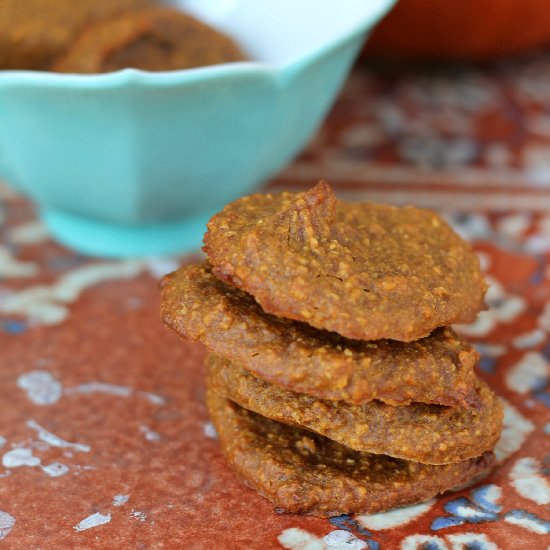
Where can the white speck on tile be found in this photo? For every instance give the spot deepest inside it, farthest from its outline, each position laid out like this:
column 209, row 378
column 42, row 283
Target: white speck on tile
column 490, row 350
column 56, row 469
column 503, row 307
column 113, row 389
column 37, row 311
column 482, row 326
column 93, row 521
column 149, row 434
column 209, row 430
column 153, row 398
column 47, row 304
column 5, row 473
column 40, row 386
column 2, row 440
column 493, row 493
column 395, row 517
column 527, row 373
column 20, row 456
column 512, row 307
column 299, row 539
column 55, row 441
column 484, row 261
column 533, row 524
column 515, row 430
column 527, row 480
column 529, row 339
column 100, row 387
column 7, row 522
column 12, row 267
column 140, row 516
column 158, row 267
column 343, row 540
column 537, row 244
column 472, row 228
column 120, row 500
column 73, row 283
column 466, row 511
column 514, row 225
column 546, row 428
column 33, row 232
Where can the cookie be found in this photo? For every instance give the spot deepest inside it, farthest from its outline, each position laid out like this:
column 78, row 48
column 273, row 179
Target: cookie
column 299, row 471
column 430, row 434
column 154, row 39
column 34, row 32
column 437, row 369
column 366, row 271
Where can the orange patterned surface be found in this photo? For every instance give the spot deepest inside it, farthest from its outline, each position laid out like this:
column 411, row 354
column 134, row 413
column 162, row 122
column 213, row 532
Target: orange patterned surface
column 105, row 440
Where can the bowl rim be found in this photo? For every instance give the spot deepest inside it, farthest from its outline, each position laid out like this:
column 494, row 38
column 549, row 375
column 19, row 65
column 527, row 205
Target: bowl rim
column 130, row 76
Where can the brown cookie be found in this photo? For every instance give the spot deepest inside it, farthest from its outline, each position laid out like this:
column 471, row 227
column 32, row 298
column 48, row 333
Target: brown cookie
column 367, row 271
column 34, row 32
column 437, row 369
column 154, row 39
column 430, row 434
column 299, row 471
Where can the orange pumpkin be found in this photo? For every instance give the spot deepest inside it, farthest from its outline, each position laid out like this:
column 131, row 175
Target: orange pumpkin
column 461, row 29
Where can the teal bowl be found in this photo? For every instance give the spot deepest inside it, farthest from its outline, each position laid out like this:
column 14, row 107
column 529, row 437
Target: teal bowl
column 133, row 163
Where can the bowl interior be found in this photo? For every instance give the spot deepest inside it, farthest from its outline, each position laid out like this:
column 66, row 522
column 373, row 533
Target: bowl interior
column 280, row 31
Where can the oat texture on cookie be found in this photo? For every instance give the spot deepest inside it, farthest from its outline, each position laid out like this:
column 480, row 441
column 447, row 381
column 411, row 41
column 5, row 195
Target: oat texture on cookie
column 366, row 271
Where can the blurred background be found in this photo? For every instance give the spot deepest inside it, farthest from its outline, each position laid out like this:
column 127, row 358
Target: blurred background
column 129, row 123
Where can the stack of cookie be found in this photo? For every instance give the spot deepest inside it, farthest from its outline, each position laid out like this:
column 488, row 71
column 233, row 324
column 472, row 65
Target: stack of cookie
column 334, row 381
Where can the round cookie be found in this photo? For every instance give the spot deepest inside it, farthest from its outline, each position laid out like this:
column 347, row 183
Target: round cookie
column 34, row 32
column 153, row 39
column 299, row 471
column 367, row 271
column 430, row 434
column 436, row 369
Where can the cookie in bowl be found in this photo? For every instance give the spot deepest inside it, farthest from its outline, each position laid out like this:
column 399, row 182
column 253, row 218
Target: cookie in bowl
column 34, row 32
column 153, row 39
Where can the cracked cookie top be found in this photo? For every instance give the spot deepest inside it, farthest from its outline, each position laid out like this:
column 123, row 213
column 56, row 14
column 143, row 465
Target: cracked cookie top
column 366, row 271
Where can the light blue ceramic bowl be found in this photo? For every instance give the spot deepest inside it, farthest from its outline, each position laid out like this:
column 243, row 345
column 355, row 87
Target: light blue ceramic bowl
column 134, row 163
